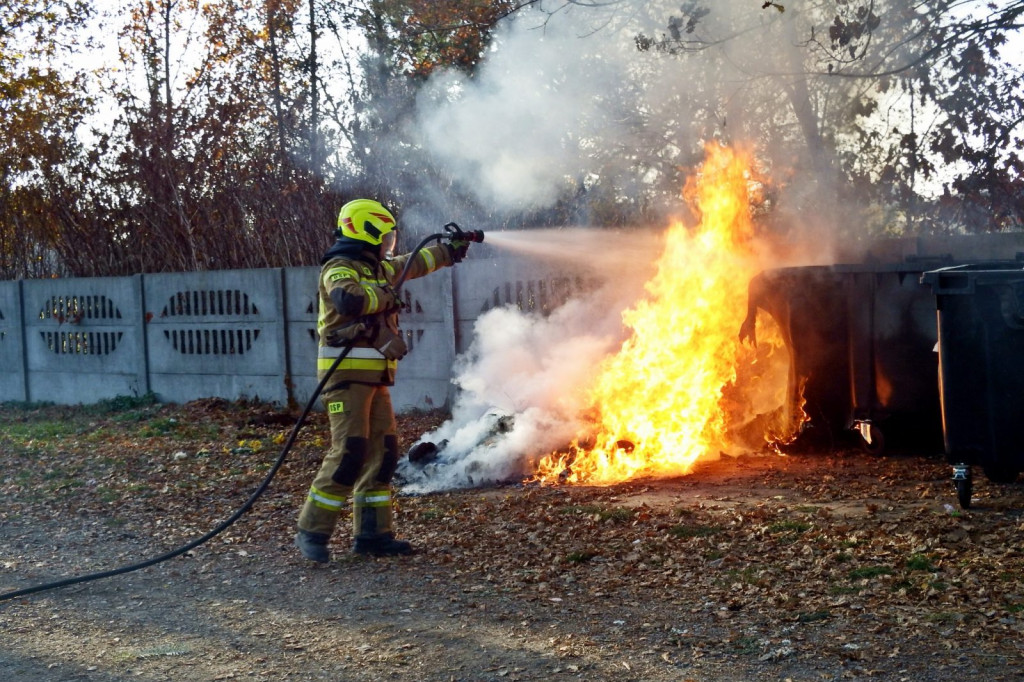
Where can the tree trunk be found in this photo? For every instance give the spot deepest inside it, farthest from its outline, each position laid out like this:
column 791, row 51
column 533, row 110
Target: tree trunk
column 315, row 154
column 820, row 150
column 275, row 67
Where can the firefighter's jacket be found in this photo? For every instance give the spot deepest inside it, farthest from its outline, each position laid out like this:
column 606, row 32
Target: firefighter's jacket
column 366, row 282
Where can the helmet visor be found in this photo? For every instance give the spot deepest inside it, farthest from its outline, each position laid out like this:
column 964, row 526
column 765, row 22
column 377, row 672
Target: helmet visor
column 387, row 243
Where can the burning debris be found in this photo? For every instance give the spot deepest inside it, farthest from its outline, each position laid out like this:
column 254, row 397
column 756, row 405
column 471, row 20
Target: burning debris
column 569, row 456
column 428, row 460
column 674, row 383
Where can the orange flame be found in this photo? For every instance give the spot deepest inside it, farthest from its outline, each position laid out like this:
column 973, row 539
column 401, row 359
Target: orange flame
column 668, row 398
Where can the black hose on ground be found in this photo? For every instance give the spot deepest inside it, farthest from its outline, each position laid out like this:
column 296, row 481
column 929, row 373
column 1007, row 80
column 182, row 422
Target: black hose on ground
column 213, row 533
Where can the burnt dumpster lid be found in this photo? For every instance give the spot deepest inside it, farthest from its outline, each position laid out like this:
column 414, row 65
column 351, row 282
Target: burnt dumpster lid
column 962, row 279
column 910, row 264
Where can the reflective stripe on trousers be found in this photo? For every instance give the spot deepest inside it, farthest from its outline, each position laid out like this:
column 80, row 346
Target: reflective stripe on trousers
column 372, row 498
column 325, row 500
column 371, row 513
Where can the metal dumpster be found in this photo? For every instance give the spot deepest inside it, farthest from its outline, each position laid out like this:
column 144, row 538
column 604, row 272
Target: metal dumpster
column 807, row 304
column 862, row 346
column 894, row 394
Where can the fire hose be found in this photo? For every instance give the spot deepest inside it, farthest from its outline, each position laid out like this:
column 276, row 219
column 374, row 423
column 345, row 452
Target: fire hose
column 453, row 233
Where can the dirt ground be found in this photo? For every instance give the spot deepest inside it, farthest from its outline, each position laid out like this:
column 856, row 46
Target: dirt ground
column 819, row 566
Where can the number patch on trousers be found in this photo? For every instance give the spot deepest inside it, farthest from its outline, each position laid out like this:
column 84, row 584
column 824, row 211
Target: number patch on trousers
column 336, row 408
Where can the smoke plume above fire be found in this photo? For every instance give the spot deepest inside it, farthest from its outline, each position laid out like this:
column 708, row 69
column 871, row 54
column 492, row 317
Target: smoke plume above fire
column 522, row 125
column 567, row 100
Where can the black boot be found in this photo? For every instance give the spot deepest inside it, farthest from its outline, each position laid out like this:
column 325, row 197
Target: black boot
column 381, row 545
column 313, row 546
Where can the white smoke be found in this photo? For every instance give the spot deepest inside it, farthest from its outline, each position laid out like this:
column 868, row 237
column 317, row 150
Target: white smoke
column 544, row 108
column 521, row 395
column 569, row 101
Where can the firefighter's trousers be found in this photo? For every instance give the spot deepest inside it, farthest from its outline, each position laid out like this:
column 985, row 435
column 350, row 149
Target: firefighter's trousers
column 359, row 465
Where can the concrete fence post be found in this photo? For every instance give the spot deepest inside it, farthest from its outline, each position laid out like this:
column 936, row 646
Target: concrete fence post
column 13, row 385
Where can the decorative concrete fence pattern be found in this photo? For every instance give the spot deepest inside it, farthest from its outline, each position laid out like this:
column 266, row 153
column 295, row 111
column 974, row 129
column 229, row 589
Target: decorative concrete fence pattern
column 217, row 333
column 83, row 339
column 236, row 333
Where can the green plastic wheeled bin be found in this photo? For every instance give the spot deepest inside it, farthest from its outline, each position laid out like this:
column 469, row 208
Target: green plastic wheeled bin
column 980, row 310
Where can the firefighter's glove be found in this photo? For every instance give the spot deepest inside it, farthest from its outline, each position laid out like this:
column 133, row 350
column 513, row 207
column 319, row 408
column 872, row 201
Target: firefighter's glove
column 391, row 345
column 458, row 250
column 348, row 333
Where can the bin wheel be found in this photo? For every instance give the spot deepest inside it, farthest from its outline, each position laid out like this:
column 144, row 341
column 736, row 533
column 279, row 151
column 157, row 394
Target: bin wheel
column 1001, row 473
column 877, row 445
column 964, row 485
column 963, row 493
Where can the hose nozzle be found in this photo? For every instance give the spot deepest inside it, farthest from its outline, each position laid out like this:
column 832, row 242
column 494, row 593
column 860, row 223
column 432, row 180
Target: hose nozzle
column 457, row 234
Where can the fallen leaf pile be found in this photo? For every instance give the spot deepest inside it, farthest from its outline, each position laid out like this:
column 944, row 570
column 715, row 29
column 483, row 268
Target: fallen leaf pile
column 817, row 566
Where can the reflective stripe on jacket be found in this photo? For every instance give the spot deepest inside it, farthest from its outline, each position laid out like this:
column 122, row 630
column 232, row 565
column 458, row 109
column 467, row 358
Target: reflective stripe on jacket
column 360, row 357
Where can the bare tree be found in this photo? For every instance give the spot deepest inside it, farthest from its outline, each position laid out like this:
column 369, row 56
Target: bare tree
column 912, row 109
column 42, row 106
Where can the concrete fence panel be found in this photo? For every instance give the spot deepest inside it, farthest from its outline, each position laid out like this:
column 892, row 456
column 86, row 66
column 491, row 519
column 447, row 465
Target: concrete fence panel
column 424, row 375
column 83, row 339
column 219, row 333
column 526, row 285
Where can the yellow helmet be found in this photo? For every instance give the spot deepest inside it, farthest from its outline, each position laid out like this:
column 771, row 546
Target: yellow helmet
column 367, row 221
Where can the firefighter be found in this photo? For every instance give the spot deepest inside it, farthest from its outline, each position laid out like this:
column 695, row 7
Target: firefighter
column 359, row 308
